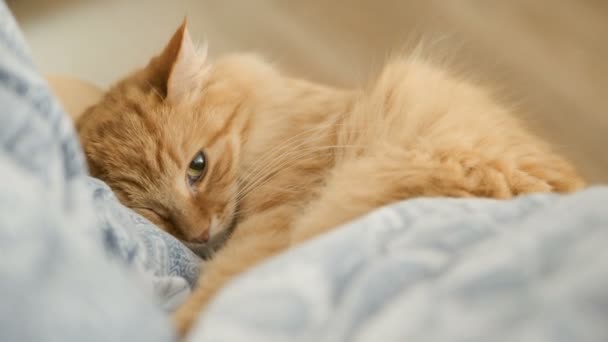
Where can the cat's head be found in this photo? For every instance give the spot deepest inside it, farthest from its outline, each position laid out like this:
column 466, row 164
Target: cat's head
column 168, row 138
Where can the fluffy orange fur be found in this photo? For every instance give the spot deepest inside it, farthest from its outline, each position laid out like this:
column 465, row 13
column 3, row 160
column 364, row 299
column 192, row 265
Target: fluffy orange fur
column 288, row 159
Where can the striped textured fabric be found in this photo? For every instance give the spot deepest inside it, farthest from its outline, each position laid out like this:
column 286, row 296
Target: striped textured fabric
column 75, row 265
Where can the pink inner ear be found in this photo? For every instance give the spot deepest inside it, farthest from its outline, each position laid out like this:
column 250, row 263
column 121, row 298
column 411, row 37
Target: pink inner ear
column 184, row 76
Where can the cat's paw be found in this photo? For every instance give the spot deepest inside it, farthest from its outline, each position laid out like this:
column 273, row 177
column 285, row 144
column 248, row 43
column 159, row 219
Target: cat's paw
column 557, row 174
column 546, row 173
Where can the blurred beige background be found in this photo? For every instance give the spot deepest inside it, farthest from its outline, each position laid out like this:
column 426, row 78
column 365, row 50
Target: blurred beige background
column 548, row 57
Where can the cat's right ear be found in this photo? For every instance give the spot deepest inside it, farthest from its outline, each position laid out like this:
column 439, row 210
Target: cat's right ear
column 176, row 70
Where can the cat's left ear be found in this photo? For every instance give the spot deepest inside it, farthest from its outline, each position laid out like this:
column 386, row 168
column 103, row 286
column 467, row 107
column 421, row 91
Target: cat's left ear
column 186, row 72
column 179, row 67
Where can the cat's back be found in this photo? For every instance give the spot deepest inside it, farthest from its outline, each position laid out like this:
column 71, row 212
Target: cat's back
column 418, row 107
column 414, row 101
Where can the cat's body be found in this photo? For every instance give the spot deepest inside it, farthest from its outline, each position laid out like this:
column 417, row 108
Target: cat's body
column 288, row 159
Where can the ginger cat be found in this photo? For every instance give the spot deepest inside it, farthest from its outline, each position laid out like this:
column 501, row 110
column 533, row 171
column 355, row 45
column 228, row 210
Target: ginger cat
column 199, row 148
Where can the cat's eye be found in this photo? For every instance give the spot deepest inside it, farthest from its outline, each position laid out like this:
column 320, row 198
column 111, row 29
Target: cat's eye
column 197, row 168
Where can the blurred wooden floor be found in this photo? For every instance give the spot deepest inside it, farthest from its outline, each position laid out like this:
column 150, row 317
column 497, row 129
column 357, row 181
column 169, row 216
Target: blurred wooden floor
column 549, row 57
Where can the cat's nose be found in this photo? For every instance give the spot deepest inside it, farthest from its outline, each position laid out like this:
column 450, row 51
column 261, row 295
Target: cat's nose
column 204, row 237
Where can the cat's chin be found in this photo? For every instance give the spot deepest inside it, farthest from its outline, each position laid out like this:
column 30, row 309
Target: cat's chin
column 206, row 249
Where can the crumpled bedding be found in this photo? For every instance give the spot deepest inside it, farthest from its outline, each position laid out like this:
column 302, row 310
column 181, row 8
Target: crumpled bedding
column 530, row 269
column 76, row 265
